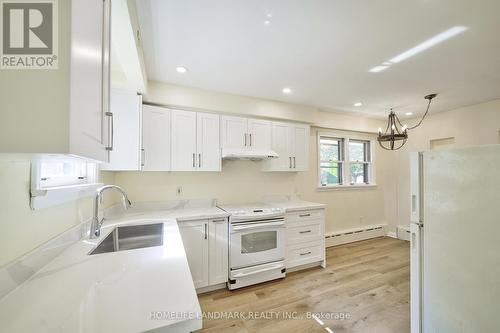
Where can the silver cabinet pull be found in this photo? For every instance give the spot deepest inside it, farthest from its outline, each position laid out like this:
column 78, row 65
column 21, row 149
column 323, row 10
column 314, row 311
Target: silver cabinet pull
column 245, row 139
column 111, row 131
column 250, row 139
column 305, row 232
column 219, row 220
column 199, row 160
column 290, row 163
column 306, row 253
column 143, row 157
column 206, row 230
column 294, row 163
column 194, row 160
column 304, row 215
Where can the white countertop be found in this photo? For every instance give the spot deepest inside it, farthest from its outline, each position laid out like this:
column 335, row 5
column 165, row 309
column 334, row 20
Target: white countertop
column 112, row 292
column 297, row 205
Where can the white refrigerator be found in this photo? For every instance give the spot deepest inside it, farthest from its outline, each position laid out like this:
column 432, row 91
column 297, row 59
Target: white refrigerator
column 455, row 241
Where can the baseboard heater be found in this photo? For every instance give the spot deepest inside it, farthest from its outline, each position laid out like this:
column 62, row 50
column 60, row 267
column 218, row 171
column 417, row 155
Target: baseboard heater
column 354, row 235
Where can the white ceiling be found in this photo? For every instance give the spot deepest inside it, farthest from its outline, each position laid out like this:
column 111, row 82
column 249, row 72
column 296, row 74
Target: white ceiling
column 323, row 50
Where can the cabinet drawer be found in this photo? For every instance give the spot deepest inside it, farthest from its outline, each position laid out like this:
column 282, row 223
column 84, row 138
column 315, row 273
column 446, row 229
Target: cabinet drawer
column 305, row 215
column 304, row 253
column 306, row 231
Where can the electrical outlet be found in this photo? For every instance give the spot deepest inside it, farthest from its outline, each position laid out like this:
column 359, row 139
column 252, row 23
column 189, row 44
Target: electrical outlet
column 179, row 191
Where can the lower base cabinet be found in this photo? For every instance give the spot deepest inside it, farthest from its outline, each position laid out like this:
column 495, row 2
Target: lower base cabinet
column 206, row 247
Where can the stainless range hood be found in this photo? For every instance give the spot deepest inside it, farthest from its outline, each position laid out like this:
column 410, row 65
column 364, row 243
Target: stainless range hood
column 247, row 154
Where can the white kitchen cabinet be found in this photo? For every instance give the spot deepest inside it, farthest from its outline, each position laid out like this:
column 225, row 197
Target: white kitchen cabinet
column 239, row 133
column 195, row 240
column 218, row 251
column 259, row 134
column 64, row 110
column 155, row 138
column 291, row 142
column 184, row 154
column 206, row 246
column 195, row 141
column 208, row 142
column 127, row 112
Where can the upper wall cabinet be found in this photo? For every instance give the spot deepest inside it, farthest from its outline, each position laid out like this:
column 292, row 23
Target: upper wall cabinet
column 67, row 108
column 243, row 133
column 127, row 131
column 195, row 141
column 156, row 138
column 291, row 142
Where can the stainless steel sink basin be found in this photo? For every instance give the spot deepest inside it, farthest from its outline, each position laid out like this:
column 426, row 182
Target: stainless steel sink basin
column 131, row 237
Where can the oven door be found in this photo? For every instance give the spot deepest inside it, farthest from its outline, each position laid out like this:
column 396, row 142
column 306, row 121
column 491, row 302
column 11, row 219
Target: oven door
column 257, row 242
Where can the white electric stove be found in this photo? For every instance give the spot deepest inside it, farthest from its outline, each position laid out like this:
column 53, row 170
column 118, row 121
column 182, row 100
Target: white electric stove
column 256, row 242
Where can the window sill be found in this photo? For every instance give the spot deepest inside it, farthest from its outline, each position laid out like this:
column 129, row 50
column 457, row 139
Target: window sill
column 58, row 195
column 345, row 187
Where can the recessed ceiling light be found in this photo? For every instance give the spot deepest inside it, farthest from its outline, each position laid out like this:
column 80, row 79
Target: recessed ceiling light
column 286, row 91
column 181, row 69
column 358, row 104
column 409, row 113
column 377, row 69
column 439, row 38
column 269, row 15
column 267, row 22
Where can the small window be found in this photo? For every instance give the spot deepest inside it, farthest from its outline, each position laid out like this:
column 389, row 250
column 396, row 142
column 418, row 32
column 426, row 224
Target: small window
column 66, row 172
column 331, row 161
column 344, row 161
column 359, row 161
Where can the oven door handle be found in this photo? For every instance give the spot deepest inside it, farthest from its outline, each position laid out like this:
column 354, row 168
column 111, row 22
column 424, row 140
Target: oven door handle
column 256, row 226
column 277, row 266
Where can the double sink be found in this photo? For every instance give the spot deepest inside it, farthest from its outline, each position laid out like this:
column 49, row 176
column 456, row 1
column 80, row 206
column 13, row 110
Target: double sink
column 130, row 238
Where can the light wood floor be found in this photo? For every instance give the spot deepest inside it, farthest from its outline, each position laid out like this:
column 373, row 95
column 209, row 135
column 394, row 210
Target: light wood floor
column 369, row 280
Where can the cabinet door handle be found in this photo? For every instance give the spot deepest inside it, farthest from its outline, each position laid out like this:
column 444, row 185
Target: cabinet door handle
column 304, row 215
column 250, row 135
column 199, row 160
column 194, row 160
column 206, row 230
column 294, row 163
column 305, row 232
column 306, row 253
column 111, row 135
column 219, row 220
column 245, row 139
column 143, row 157
column 290, row 162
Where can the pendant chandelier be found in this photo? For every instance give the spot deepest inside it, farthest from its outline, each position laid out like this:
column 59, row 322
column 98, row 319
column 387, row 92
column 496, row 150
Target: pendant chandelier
column 396, row 134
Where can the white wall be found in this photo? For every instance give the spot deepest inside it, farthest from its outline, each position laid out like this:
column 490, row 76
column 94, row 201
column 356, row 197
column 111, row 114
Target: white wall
column 468, row 126
column 22, row 229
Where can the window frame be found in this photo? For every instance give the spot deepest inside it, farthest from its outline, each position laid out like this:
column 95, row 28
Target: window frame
column 369, row 162
column 45, row 193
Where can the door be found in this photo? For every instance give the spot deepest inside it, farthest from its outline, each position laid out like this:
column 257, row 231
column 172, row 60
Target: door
column 234, row 134
column 208, row 142
column 461, row 258
column 254, row 243
column 90, row 132
column 218, row 251
column 126, row 153
column 195, row 240
column 281, row 145
column 299, row 139
column 184, row 155
column 155, row 138
column 259, row 134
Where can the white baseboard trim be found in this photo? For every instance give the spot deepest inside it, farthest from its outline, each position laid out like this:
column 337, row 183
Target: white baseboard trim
column 211, row 288
column 354, row 235
column 403, row 232
column 392, row 234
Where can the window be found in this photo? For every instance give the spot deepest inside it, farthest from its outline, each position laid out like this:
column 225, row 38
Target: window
column 65, row 172
column 344, row 161
column 59, row 179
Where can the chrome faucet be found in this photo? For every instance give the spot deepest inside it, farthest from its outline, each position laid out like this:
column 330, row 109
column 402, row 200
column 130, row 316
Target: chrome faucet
column 95, row 228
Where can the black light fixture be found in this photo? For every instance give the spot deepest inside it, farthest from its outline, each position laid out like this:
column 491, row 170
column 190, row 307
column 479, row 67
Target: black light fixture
column 396, row 134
